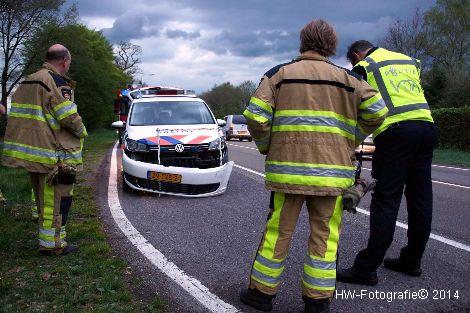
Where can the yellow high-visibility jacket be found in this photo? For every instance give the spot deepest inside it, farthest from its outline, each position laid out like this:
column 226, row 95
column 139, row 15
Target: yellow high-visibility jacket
column 44, row 127
column 308, row 116
column 397, row 77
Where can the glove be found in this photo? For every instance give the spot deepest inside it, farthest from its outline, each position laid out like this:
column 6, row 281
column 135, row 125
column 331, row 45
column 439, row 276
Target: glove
column 52, row 176
column 353, row 195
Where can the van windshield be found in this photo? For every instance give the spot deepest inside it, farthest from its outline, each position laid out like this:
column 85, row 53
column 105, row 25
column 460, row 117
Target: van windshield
column 170, row 113
column 239, row 119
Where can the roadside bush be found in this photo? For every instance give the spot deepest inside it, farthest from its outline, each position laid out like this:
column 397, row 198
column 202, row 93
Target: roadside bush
column 453, row 126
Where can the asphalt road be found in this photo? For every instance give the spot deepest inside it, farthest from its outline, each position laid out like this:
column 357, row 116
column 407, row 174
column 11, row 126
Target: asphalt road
column 178, row 243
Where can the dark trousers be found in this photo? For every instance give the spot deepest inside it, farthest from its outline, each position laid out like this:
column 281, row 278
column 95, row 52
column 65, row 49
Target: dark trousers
column 402, row 160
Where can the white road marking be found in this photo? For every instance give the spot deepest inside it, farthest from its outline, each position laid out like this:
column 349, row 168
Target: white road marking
column 449, row 242
column 194, row 287
column 452, row 168
column 435, row 181
column 251, row 148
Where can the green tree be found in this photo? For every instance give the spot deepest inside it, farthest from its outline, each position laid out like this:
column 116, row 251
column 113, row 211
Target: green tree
column 449, row 30
column 410, row 37
column 227, row 99
column 92, row 67
column 20, row 22
column 441, row 38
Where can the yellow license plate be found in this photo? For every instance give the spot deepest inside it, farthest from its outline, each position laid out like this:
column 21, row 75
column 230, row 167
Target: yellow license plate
column 242, row 132
column 164, row 177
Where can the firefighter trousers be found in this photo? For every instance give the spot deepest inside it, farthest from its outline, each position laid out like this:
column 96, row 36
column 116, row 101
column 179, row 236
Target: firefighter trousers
column 53, row 204
column 319, row 270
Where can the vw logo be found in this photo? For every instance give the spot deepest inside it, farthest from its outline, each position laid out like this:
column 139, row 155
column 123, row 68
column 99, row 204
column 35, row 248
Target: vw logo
column 179, row 148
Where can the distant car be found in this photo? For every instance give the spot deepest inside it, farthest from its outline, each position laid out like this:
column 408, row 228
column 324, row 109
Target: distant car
column 236, row 127
column 367, row 147
column 174, row 145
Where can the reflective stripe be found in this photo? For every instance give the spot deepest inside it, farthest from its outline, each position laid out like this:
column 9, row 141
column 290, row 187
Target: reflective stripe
column 259, row 111
column 30, row 153
column 319, row 282
column 257, row 118
column 263, row 105
column 265, row 278
column 374, row 67
column 268, row 263
column 82, row 132
column 360, row 135
column 47, row 244
column 397, row 62
column 47, row 232
column 308, row 128
column 33, row 111
column 323, row 265
column 36, row 112
column 313, row 121
column 65, row 109
column 272, row 226
column 76, row 156
column 374, row 107
column 309, row 171
column 408, row 107
column 52, row 121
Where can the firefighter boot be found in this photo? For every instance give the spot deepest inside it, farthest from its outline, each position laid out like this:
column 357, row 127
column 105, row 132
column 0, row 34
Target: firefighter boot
column 257, row 299
column 316, row 305
column 67, row 250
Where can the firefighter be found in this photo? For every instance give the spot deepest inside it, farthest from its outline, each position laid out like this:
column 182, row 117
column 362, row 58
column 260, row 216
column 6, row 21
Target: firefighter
column 403, row 155
column 45, row 135
column 307, row 116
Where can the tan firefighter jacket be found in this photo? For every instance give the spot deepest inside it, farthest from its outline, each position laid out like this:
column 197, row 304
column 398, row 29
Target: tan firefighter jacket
column 43, row 126
column 308, row 116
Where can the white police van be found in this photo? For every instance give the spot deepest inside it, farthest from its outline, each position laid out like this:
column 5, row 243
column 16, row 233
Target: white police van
column 173, row 145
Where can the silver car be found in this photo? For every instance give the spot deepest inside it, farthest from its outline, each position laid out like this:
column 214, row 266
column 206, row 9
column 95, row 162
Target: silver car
column 236, row 127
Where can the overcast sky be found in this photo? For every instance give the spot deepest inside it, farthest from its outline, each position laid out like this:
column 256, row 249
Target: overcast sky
column 197, row 44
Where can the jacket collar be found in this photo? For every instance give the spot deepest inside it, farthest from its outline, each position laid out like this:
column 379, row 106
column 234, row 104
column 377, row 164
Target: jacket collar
column 312, row 55
column 48, row 66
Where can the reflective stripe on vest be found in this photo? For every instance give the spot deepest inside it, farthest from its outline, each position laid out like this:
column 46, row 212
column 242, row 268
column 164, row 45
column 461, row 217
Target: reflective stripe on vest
column 374, row 68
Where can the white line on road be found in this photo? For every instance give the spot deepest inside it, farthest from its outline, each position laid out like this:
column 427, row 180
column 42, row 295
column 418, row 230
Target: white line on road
column 449, row 242
column 368, row 169
column 452, row 168
column 194, row 287
column 251, row 148
column 435, row 181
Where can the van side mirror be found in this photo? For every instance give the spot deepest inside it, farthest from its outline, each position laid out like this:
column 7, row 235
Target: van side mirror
column 221, row 123
column 118, row 125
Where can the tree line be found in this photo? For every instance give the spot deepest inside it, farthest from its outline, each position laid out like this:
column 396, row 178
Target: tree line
column 29, row 27
column 439, row 37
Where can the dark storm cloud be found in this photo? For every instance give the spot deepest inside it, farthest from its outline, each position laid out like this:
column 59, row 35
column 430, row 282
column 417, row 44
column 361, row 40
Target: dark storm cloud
column 175, row 33
column 252, row 44
column 249, row 28
column 134, row 25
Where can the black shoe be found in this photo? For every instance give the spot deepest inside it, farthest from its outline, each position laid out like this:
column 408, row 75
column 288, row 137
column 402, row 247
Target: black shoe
column 396, row 265
column 257, row 299
column 68, row 249
column 353, row 276
column 316, row 305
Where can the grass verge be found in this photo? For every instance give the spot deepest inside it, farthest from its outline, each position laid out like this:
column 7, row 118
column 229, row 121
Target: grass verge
column 91, row 280
column 451, row 157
